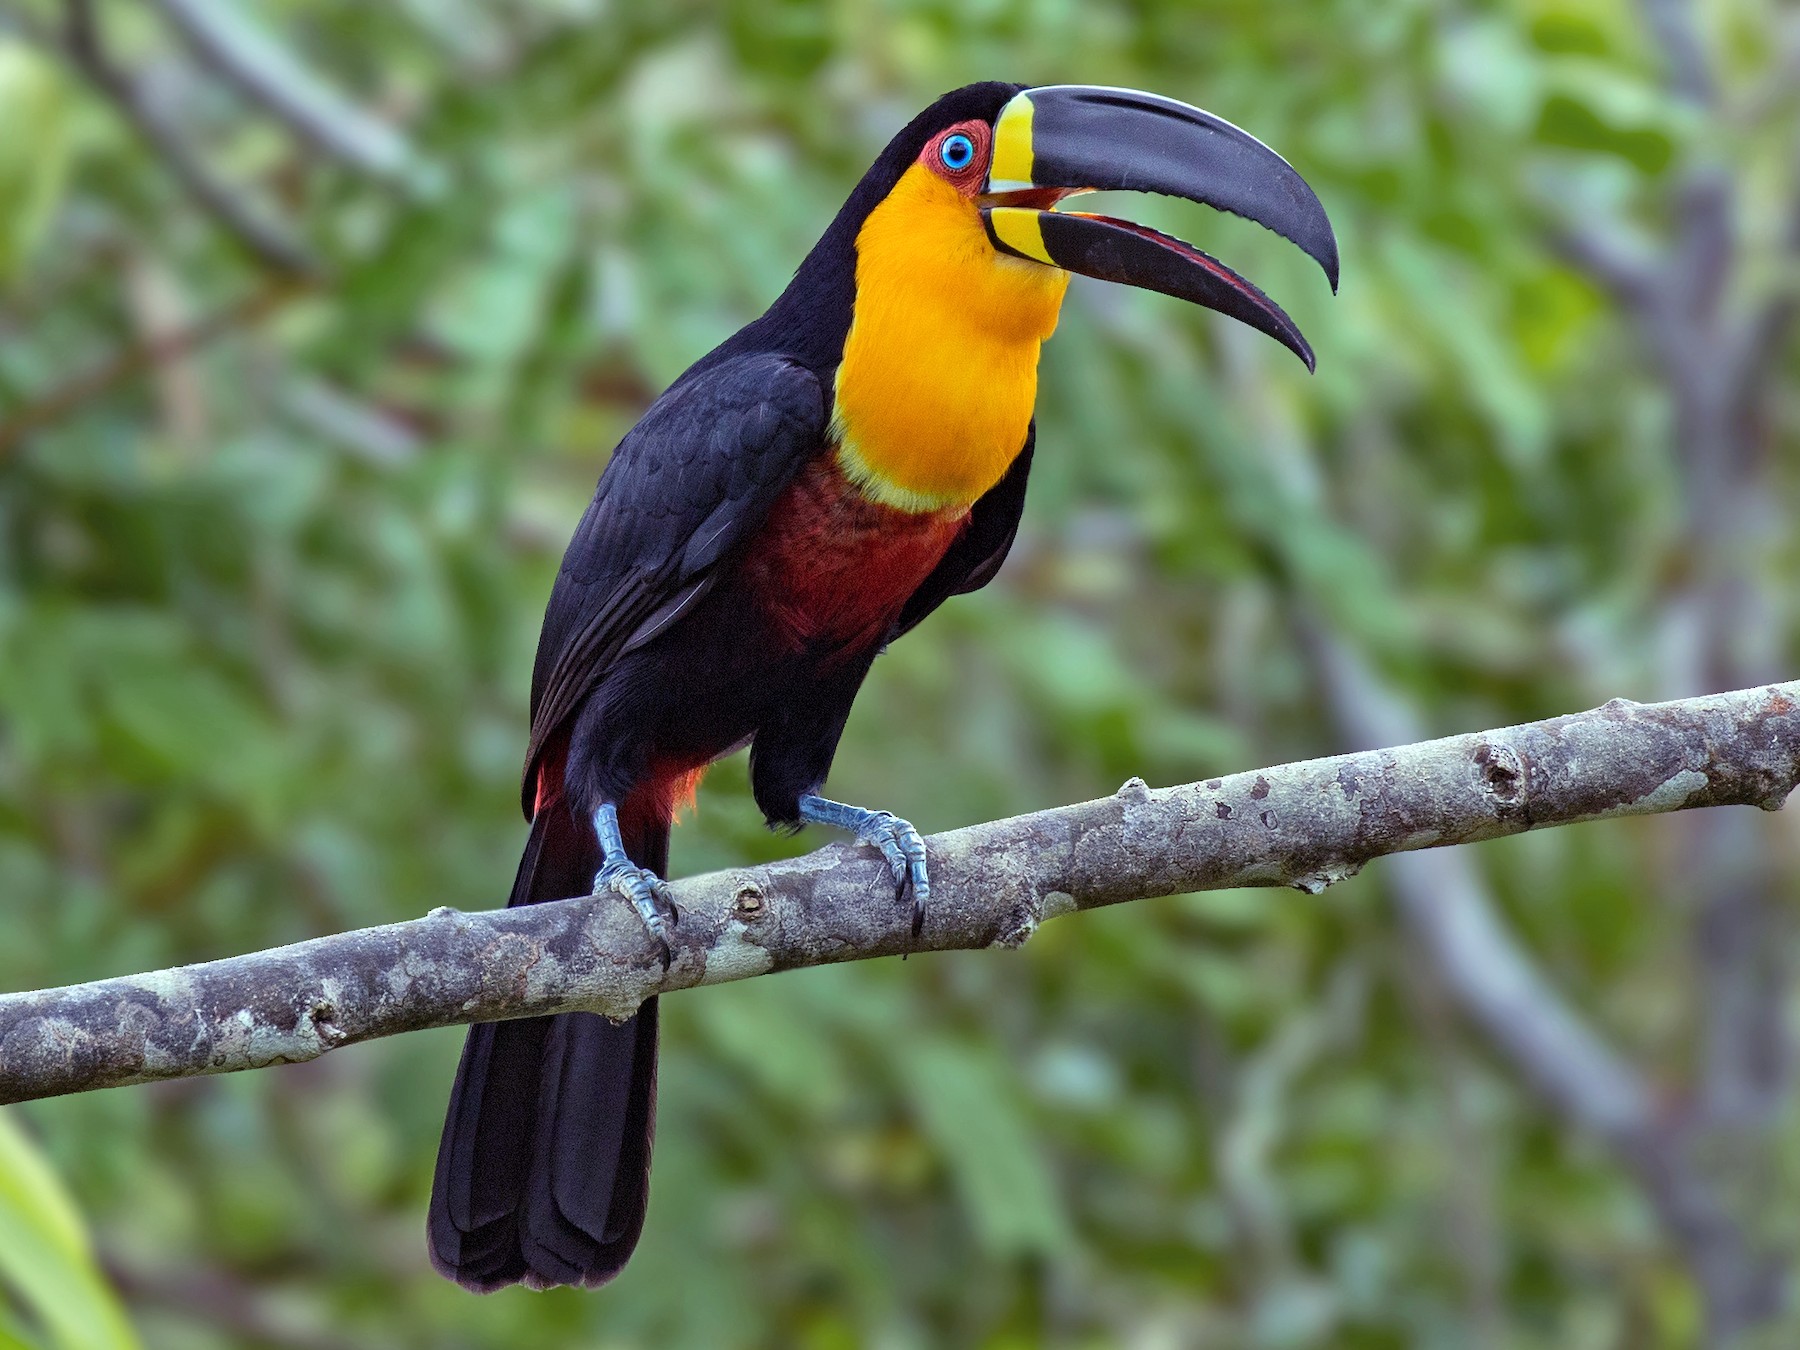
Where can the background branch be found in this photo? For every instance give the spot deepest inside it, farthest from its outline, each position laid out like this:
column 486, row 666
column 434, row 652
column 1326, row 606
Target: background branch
column 1304, row 825
column 267, row 240
column 145, row 354
column 1713, row 1162
column 1674, row 26
column 266, row 72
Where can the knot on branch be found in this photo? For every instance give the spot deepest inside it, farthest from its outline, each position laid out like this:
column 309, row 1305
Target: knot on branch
column 323, row 1016
column 1326, row 874
column 1502, row 773
column 1029, row 915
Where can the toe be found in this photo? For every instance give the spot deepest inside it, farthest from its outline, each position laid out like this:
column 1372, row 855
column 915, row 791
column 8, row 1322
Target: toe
column 665, row 902
column 891, row 850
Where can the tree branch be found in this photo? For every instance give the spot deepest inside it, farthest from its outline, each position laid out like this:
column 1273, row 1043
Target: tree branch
column 1675, row 27
column 264, row 238
column 240, row 50
column 1303, row 825
column 1627, row 273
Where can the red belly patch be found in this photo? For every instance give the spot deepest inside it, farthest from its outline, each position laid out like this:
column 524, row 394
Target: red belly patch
column 833, row 568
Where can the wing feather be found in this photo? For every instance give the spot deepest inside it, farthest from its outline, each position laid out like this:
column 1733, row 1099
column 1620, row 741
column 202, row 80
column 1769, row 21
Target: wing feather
column 694, row 478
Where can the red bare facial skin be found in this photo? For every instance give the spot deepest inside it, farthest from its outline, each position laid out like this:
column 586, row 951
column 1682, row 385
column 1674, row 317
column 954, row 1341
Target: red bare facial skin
column 968, row 179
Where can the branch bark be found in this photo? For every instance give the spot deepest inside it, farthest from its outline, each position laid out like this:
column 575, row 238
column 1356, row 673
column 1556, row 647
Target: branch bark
column 1304, row 825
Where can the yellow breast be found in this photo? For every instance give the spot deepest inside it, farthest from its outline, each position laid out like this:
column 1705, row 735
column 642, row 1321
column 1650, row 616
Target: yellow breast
column 939, row 375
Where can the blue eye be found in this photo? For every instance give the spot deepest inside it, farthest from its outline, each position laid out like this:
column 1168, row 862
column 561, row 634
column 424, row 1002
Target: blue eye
column 957, row 152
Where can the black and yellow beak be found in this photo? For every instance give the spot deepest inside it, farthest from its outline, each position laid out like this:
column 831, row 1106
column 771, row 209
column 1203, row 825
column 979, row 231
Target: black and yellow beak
column 1059, row 140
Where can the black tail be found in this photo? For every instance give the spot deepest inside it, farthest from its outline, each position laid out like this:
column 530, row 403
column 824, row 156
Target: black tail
column 544, row 1169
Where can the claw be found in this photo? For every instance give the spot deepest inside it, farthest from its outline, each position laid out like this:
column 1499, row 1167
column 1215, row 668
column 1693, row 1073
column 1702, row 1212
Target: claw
column 649, row 896
column 648, row 893
column 898, row 841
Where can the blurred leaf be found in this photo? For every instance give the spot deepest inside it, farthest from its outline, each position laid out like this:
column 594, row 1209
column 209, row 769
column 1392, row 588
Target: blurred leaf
column 968, row 1103
column 44, row 1254
column 34, row 153
column 190, row 722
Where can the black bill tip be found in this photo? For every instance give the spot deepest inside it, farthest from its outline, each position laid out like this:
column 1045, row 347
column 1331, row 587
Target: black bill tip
column 1136, row 255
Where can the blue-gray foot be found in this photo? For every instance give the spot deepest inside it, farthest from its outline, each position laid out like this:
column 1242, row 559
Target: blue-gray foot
column 649, row 894
column 898, row 841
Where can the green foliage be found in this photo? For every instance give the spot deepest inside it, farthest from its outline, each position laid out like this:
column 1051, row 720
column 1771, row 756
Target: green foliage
column 46, row 1261
column 32, row 170
column 267, row 616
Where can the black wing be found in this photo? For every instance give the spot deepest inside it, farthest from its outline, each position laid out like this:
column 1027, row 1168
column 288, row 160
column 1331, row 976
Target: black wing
column 695, row 476
column 980, row 549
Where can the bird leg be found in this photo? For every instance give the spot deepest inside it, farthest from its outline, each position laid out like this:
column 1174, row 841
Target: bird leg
column 649, row 894
column 898, row 841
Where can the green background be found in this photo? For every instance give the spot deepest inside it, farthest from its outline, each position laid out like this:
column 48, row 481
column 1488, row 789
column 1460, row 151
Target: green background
column 267, row 614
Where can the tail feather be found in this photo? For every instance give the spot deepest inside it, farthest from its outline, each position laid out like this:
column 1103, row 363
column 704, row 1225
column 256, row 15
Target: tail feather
column 543, row 1173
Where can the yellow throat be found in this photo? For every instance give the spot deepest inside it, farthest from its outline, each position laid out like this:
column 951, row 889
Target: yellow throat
column 939, row 375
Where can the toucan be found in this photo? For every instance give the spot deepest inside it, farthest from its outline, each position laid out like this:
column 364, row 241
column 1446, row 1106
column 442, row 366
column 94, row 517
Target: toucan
column 800, row 497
